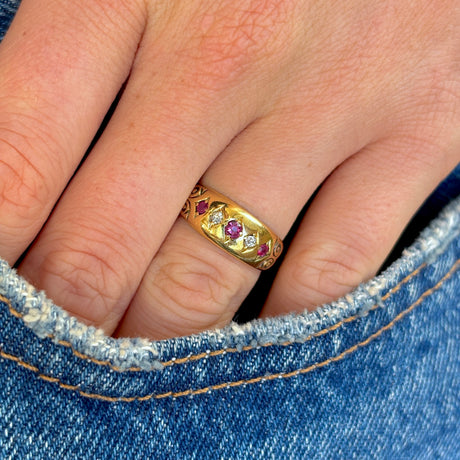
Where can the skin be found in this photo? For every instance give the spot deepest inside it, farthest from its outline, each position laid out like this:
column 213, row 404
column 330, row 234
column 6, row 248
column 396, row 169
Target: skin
column 262, row 100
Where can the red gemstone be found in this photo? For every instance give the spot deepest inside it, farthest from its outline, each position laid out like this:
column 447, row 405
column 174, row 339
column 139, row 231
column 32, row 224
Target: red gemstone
column 202, row 207
column 263, row 250
column 233, row 229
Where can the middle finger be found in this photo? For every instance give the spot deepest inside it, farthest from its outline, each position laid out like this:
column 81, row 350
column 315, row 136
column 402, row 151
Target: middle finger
column 113, row 217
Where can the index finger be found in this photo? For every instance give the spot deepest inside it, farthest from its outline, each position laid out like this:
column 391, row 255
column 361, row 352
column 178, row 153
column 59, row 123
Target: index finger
column 61, row 66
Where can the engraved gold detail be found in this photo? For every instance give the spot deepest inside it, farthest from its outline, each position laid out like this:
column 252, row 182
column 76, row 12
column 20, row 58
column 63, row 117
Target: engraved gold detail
column 232, row 228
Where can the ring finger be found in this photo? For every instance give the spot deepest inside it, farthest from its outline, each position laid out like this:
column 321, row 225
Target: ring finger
column 193, row 285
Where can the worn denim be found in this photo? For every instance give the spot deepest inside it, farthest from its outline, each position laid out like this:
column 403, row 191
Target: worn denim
column 375, row 374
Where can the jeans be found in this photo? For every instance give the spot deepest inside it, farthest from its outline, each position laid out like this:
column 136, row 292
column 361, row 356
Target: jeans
column 375, row 374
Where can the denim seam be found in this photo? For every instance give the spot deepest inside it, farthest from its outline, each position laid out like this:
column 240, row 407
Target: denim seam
column 260, row 379
column 207, row 354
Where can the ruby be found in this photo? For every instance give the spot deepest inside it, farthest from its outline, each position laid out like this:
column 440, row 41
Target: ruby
column 233, row 229
column 263, row 250
column 202, row 207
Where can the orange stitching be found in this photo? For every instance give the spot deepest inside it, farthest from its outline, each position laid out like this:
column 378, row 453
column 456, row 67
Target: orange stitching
column 280, row 375
column 200, row 356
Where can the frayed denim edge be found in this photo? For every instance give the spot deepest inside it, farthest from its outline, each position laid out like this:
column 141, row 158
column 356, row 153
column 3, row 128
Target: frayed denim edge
column 48, row 320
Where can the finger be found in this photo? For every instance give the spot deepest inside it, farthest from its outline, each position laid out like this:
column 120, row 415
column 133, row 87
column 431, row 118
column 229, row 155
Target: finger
column 354, row 221
column 113, row 217
column 193, row 285
column 61, row 66
column 183, row 104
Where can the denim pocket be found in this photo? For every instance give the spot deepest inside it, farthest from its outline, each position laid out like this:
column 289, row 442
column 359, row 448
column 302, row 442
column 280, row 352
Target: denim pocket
column 376, row 371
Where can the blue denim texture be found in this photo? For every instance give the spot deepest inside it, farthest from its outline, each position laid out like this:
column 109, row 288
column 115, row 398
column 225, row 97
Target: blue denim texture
column 375, row 374
column 7, row 10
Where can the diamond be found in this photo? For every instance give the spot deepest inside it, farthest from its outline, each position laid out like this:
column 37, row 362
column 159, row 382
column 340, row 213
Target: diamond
column 250, row 241
column 216, row 217
column 263, row 250
column 233, row 229
column 202, row 207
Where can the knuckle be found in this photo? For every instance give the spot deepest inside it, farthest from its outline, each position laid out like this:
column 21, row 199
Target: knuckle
column 86, row 280
column 231, row 37
column 435, row 87
column 323, row 273
column 23, row 189
column 431, row 126
column 438, row 101
column 119, row 15
column 194, row 290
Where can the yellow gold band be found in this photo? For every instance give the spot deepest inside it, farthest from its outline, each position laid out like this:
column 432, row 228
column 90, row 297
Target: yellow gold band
column 231, row 227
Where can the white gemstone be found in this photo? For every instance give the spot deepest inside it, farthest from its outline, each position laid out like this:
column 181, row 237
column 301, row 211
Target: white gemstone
column 216, row 217
column 250, row 241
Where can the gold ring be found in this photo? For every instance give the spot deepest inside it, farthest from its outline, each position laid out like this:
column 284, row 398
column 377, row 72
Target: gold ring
column 231, row 227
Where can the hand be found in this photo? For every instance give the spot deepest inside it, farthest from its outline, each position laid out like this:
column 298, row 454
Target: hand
column 266, row 99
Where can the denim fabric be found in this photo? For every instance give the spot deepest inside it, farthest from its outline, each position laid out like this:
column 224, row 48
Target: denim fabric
column 375, row 374
column 7, row 10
